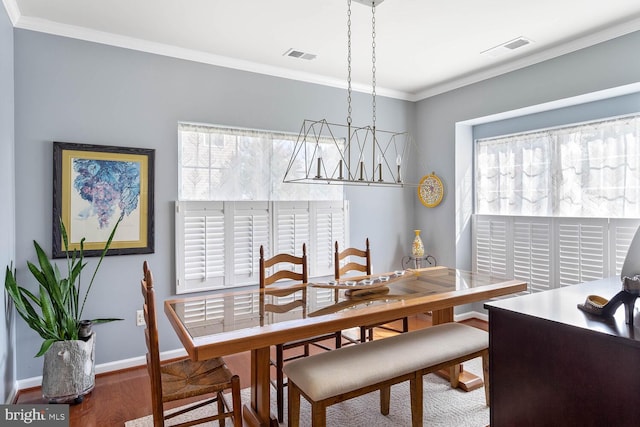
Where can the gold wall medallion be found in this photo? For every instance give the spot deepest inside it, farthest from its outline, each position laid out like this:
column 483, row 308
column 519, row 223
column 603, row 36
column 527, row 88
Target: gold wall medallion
column 430, row 190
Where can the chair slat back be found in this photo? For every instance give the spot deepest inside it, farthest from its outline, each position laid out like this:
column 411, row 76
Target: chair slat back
column 363, row 265
column 153, row 350
column 281, row 274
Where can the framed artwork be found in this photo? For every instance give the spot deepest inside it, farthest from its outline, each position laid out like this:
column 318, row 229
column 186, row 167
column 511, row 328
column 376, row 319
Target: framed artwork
column 94, row 186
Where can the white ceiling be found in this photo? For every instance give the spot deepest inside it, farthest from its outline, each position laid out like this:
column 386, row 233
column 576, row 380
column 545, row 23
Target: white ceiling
column 423, row 47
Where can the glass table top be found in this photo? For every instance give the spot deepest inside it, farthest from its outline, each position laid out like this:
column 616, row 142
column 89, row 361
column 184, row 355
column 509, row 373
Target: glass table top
column 231, row 311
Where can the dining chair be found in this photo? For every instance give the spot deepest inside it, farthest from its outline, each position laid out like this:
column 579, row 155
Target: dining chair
column 292, row 268
column 359, row 260
column 185, row 379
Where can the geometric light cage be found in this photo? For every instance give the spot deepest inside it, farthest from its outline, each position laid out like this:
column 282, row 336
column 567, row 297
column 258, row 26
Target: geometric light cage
column 329, row 153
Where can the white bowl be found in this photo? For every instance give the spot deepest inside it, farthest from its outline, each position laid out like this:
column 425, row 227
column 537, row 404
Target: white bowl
column 383, row 278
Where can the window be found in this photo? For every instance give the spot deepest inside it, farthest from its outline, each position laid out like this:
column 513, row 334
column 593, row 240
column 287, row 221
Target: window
column 233, row 201
column 560, row 206
column 588, row 170
column 218, row 163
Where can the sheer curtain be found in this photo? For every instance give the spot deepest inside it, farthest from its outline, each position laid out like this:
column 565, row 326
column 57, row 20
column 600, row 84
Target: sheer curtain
column 586, row 170
column 222, row 163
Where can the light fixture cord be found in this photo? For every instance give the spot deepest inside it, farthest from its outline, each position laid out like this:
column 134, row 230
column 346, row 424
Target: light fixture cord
column 349, row 66
column 373, row 62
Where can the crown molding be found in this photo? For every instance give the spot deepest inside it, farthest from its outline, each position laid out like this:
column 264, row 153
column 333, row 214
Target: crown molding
column 81, row 33
column 12, row 10
column 554, row 52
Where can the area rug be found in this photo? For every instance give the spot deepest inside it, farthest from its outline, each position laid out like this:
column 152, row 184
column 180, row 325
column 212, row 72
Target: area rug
column 443, row 406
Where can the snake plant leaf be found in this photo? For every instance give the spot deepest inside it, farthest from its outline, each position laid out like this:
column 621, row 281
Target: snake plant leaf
column 45, row 346
column 46, row 306
column 45, row 266
column 102, row 255
column 12, row 288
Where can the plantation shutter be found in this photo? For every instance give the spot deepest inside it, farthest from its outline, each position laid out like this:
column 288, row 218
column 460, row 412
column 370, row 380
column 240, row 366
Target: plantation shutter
column 250, row 231
column 582, row 250
column 622, row 232
column 330, row 227
column 218, row 243
column 490, row 251
column 200, row 234
column 532, row 252
column 549, row 252
column 291, row 227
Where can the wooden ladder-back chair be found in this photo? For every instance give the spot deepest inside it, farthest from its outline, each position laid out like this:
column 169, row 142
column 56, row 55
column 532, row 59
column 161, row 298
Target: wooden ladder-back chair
column 293, row 269
column 362, row 264
column 185, row 379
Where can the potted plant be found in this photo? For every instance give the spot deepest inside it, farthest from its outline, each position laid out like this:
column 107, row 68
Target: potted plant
column 55, row 313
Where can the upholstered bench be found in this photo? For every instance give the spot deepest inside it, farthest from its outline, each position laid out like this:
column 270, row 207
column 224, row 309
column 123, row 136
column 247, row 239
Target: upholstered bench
column 328, row 378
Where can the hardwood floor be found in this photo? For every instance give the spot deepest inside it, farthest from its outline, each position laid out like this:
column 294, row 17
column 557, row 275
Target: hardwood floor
column 125, row 395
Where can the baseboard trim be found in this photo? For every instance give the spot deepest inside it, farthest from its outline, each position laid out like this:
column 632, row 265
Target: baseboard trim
column 471, row 315
column 13, row 394
column 103, row 368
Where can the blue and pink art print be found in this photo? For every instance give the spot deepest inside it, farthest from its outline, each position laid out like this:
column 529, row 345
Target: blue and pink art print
column 110, row 188
column 95, row 186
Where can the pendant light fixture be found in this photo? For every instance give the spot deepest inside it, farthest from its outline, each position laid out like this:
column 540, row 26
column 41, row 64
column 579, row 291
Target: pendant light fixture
column 330, row 153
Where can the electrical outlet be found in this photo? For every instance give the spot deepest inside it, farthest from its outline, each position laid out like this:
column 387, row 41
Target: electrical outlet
column 140, row 318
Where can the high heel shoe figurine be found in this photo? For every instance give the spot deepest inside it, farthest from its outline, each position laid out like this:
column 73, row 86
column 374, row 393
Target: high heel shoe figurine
column 603, row 307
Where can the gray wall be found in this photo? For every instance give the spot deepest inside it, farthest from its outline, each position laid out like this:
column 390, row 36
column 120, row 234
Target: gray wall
column 606, row 65
column 7, row 214
column 82, row 92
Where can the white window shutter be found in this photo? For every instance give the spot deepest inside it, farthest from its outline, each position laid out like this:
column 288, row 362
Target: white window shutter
column 621, row 231
column 218, row 243
column 251, row 229
column 200, row 246
column 330, row 226
column 291, row 227
column 490, row 248
column 582, row 250
column 532, row 251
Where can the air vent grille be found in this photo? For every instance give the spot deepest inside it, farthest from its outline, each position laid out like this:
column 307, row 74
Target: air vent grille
column 508, row 47
column 294, row 53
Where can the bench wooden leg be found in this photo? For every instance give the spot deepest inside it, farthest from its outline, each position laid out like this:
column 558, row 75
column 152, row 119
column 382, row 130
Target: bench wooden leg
column 293, row 411
column 385, row 398
column 485, row 374
column 415, row 385
column 318, row 415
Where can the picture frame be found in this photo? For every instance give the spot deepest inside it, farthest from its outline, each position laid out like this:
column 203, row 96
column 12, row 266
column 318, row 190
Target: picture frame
column 95, row 185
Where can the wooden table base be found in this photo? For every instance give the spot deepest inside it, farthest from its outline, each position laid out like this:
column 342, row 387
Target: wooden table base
column 467, row 380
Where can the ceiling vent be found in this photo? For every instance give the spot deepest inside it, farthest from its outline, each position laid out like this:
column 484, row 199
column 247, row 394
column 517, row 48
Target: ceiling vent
column 508, row 47
column 293, row 53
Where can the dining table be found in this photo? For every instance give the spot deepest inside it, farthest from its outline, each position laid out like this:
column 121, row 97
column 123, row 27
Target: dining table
column 229, row 322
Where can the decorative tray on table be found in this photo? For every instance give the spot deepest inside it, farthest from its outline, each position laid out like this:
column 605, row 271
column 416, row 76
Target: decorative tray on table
column 368, row 284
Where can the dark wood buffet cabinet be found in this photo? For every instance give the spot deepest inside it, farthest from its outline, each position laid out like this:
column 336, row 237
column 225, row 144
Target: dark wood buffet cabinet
column 554, row 365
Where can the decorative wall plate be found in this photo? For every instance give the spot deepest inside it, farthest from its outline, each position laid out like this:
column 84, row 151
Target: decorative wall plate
column 430, row 190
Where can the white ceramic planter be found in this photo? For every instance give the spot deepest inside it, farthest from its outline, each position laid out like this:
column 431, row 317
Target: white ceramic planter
column 69, row 370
